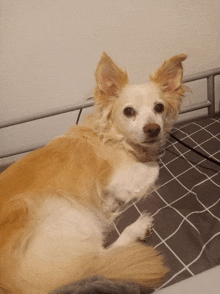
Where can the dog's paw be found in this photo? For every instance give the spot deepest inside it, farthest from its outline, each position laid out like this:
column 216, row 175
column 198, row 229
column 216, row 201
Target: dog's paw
column 144, row 226
column 137, row 231
column 140, row 229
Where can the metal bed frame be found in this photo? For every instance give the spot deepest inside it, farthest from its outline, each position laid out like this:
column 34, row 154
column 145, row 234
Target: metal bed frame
column 209, row 103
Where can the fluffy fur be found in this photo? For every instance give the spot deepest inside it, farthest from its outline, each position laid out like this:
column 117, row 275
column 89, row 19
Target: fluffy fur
column 58, row 202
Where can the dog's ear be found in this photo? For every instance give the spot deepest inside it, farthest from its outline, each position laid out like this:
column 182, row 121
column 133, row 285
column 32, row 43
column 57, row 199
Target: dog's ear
column 169, row 79
column 110, row 78
column 169, row 75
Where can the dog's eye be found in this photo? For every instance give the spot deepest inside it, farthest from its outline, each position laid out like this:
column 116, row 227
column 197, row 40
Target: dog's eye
column 129, row 111
column 159, row 108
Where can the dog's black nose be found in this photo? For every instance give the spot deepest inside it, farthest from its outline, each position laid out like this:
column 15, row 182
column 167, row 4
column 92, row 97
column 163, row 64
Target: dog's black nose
column 152, row 130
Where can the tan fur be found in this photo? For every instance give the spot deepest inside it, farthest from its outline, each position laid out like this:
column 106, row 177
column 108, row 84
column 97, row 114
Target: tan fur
column 148, row 260
column 78, row 172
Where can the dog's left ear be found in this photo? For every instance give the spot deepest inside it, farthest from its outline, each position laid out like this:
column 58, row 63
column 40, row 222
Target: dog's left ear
column 169, row 75
column 110, row 78
column 169, row 79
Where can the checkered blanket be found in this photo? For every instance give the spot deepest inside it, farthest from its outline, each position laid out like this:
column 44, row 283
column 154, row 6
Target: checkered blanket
column 186, row 203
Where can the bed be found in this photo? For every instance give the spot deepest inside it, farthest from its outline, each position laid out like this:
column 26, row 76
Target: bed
column 186, row 202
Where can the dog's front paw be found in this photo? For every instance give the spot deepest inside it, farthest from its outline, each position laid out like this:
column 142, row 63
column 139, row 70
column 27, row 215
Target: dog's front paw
column 140, row 229
column 143, row 226
column 137, row 231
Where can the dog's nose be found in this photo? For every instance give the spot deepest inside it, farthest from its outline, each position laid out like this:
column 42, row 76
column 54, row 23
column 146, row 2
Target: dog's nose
column 152, row 130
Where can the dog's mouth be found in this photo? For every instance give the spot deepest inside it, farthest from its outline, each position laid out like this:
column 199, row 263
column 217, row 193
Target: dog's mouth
column 152, row 141
column 149, row 142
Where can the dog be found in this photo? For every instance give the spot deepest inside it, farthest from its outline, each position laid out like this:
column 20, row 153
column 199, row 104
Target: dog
column 58, row 202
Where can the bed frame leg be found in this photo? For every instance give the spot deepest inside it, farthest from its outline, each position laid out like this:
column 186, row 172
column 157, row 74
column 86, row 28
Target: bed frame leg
column 211, row 95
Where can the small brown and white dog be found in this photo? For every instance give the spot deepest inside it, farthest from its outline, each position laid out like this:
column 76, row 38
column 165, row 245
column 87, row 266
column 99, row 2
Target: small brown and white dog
column 58, row 202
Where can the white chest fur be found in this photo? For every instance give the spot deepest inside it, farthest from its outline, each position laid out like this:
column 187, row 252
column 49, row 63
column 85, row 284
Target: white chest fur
column 133, row 180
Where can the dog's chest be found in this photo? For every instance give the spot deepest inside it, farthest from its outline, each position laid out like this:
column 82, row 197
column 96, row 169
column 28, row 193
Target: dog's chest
column 133, row 180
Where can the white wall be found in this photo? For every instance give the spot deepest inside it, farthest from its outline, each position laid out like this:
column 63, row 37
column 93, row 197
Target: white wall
column 50, row 49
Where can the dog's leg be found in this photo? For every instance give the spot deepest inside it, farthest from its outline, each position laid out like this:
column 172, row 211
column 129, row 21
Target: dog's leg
column 133, row 181
column 139, row 230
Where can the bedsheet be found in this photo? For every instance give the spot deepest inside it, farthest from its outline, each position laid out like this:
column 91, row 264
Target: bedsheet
column 186, row 203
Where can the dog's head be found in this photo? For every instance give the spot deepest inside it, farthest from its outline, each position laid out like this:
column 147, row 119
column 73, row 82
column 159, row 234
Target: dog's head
column 142, row 113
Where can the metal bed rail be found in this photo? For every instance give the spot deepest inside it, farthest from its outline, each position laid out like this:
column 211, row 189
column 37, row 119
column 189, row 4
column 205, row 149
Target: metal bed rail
column 209, row 103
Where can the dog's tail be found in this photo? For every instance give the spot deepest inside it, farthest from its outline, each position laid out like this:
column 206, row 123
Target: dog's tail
column 137, row 263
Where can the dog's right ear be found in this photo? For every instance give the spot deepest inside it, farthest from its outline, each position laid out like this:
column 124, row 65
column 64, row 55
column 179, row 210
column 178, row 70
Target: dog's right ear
column 110, row 78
